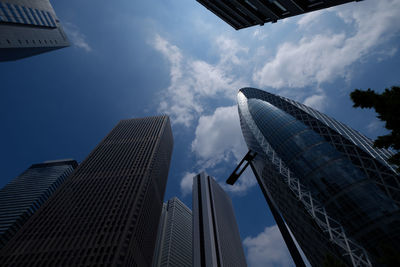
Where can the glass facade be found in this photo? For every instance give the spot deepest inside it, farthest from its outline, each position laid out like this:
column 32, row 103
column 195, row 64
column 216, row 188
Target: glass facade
column 306, row 157
column 24, row 195
column 174, row 238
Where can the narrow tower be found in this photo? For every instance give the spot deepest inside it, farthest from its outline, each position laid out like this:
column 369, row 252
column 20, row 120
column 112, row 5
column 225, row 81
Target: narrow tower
column 216, row 239
column 174, row 238
column 108, row 211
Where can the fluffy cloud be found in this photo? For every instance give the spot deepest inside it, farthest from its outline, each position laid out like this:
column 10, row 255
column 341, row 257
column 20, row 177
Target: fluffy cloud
column 187, row 182
column 218, row 137
column 322, row 57
column 267, row 249
column 317, row 101
column 194, row 80
column 76, row 37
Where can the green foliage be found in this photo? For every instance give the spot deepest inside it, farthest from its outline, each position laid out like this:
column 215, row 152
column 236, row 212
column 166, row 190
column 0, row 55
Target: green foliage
column 387, row 105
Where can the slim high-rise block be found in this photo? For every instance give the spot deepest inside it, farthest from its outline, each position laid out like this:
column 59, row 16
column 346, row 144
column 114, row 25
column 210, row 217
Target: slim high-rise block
column 336, row 192
column 174, row 239
column 216, row 238
column 24, row 195
column 246, row 13
column 29, row 27
column 107, row 212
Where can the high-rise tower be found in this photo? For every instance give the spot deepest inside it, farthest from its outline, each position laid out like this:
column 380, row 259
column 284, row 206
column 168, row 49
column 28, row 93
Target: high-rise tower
column 29, row 27
column 216, row 239
column 174, row 238
column 107, row 212
column 246, row 13
column 24, row 195
column 335, row 191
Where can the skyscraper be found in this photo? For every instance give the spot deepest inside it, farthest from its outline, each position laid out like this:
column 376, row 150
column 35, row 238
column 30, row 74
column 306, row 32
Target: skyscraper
column 107, row 212
column 24, row 195
column 216, row 239
column 28, row 28
column 337, row 194
column 245, row 13
column 174, row 238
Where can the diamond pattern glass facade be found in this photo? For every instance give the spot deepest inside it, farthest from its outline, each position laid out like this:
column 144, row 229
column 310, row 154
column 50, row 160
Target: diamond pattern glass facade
column 321, row 173
column 107, row 212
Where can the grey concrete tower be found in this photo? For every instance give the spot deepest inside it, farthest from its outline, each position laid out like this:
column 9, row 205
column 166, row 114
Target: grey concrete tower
column 29, row 27
column 25, row 194
column 246, row 13
column 174, row 238
column 216, row 239
column 107, row 212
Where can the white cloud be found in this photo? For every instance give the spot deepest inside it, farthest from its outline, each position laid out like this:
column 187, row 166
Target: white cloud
column 194, row 80
column 267, row 249
column 77, row 38
column 187, row 182
column 317, row 101
column 323, row 57
column 218, row 137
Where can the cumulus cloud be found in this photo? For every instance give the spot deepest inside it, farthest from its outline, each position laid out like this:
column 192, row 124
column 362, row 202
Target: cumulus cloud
column 267, row 249
column 218, row 137
column 325, row 56
column 187, row 182
column 194, row 80
column 317, row 101
column 76, row 37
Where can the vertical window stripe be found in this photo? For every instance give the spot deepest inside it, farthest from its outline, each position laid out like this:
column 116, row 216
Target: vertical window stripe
column 51, row 19
column 45, row 17
column 18, row 8
column 34, row 16
column 40, row 17
column 2, row 7
column 28, row 15
column 16, row 18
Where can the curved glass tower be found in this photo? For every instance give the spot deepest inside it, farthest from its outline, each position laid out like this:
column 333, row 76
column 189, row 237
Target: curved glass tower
column 336, row 193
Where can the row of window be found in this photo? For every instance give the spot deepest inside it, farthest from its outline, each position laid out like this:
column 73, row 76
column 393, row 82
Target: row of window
column 25, row 15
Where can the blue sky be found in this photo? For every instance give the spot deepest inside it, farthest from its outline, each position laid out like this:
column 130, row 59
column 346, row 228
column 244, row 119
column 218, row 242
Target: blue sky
column 132, row 59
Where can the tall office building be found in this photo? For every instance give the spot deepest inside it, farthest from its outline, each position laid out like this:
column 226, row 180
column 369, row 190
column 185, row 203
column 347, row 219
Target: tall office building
column 24, row 195
column 174, row 238
column 216, row 239
column 335, row 191
column 245, row 13
column 107, row 212
column 28, row 27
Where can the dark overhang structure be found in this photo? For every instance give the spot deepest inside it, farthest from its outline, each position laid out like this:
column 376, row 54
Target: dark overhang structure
column 245, row 13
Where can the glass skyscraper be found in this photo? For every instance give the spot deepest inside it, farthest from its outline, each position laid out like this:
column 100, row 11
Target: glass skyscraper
column 107, row 212
column 216, row 239
column 24, row 195
column 29, row 27
column 174, row 238
column 335, row 191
